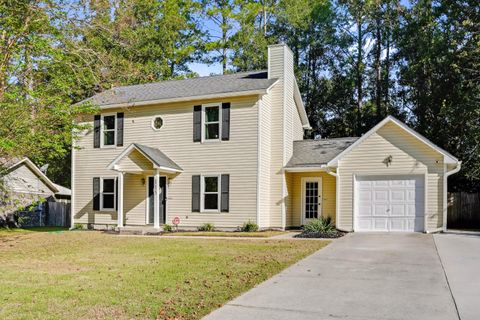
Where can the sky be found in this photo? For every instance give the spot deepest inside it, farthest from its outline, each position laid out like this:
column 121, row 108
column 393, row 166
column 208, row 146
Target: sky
column 204, row 69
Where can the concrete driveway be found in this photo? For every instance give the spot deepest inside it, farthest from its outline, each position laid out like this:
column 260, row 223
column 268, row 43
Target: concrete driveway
column 460, row 255
column 361, row 276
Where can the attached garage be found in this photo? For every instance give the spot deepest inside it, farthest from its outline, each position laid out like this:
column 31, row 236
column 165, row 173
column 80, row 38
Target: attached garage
column 389, row 203
column 392, row 179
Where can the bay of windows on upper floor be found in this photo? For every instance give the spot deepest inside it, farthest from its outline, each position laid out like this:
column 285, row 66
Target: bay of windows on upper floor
column 211, row 123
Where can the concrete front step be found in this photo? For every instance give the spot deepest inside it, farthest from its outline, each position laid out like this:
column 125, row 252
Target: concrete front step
column 133, row 230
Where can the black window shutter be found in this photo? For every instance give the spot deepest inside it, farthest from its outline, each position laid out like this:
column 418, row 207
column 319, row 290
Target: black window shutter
column 120, row 117
column 197, row 123
column 96, row 131
column 225, row 187
column 96, row 193
column 226, row 121
column 196, row 193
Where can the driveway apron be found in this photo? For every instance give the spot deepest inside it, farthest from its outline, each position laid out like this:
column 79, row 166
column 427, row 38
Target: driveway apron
column 361, row 276
column 460, row 255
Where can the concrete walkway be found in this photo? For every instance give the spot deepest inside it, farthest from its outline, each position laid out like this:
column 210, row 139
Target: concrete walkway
column 360, row 276
column 460, row 255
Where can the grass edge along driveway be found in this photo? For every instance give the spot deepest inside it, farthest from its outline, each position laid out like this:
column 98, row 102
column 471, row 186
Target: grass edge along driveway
column 93, row 275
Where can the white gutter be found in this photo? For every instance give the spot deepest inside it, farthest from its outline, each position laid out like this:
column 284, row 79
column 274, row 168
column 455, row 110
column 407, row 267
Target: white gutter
column 445, row 193
column 304, row 169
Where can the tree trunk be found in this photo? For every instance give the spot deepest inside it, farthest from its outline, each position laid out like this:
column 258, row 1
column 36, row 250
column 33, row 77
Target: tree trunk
column 387, row 73
column 359, row 74
column 378, row 75
column 224, row 49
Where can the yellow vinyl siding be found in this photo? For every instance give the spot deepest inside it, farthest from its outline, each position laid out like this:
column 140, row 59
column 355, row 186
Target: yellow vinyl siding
column 135, row 161
column 265, row 123
column 295, row 192
column 409, row 157
column 237, row 157
column 277, row 141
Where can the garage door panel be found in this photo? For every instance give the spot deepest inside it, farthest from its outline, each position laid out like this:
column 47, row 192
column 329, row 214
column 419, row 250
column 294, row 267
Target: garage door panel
column 365, row 210
column 365, row 195
column 398, row 224
column 365, row 224
column 397, row 183
column 380, row 210
column 389, row 203
column 398, row 195
column 380, row 196
column 380, row 224
column 380, row 183
column 397, row 210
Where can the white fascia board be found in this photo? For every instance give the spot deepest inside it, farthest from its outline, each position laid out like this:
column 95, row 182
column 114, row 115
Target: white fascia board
column 167, row 169
column 300, row 106
column 305, row 169
column 181, row 99
column 37, row 171
column 113, row 165
column 448, row 158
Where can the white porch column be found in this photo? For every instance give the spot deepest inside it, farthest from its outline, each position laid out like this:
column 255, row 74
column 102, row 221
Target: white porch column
column 120, row 199
column 156, row 198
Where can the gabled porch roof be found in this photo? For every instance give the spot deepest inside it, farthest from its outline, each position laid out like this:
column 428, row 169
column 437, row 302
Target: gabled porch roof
column 158, row 159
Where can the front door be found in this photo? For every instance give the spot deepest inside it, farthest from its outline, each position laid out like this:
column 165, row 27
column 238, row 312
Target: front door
column 162, row 201
column 311, row 198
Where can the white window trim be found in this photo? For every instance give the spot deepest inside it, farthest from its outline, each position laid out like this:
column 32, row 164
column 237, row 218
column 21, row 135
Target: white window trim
column 114, row 193
column 202, row 192
column 102, row 145
column 204, row 131
column 153, row 123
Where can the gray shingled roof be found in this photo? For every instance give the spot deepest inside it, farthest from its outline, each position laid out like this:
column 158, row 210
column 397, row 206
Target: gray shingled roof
column 200, row 86
column 159, row 158
column 311, row 153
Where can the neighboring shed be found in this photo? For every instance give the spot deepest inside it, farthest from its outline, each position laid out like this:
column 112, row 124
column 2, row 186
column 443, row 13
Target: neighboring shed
column 25, row 194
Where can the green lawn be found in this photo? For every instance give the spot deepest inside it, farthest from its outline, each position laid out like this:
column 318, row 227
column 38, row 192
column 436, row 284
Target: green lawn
column 259, row 234
column 94, row 275
column 12, row 233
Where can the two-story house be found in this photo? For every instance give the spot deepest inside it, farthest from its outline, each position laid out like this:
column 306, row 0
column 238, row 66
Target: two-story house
column 229, row 149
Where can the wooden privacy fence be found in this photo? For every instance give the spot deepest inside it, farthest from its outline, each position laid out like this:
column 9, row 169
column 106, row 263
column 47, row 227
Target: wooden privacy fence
column 58, row 214
column 463, row 210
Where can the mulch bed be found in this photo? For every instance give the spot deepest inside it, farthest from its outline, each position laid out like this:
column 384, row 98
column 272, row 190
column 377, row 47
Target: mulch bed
column 324, row 235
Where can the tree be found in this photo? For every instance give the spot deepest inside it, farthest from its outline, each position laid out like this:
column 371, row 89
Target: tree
column 440, row 80
column 221, row 14
column 254, row 35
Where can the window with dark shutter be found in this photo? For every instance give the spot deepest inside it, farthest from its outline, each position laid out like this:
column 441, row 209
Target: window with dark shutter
column 197, row 123
column 96, row 193
column 196, row 193
column 225, row 185
column 96, row 131
column 120, row 117
column 226, row 121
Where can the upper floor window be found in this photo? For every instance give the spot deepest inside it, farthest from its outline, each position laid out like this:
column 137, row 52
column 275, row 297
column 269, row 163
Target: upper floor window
column 211, row 122
column 157, row 123
column 108, row 134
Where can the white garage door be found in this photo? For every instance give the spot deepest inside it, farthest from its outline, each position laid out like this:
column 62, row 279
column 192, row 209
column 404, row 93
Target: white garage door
column 389, row 203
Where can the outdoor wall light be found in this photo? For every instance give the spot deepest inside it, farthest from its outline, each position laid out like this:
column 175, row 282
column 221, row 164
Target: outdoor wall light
column 388, row 160
column 143, row 181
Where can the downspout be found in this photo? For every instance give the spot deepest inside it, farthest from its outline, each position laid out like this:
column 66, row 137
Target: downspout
column 337, row 194
column 445, row 193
